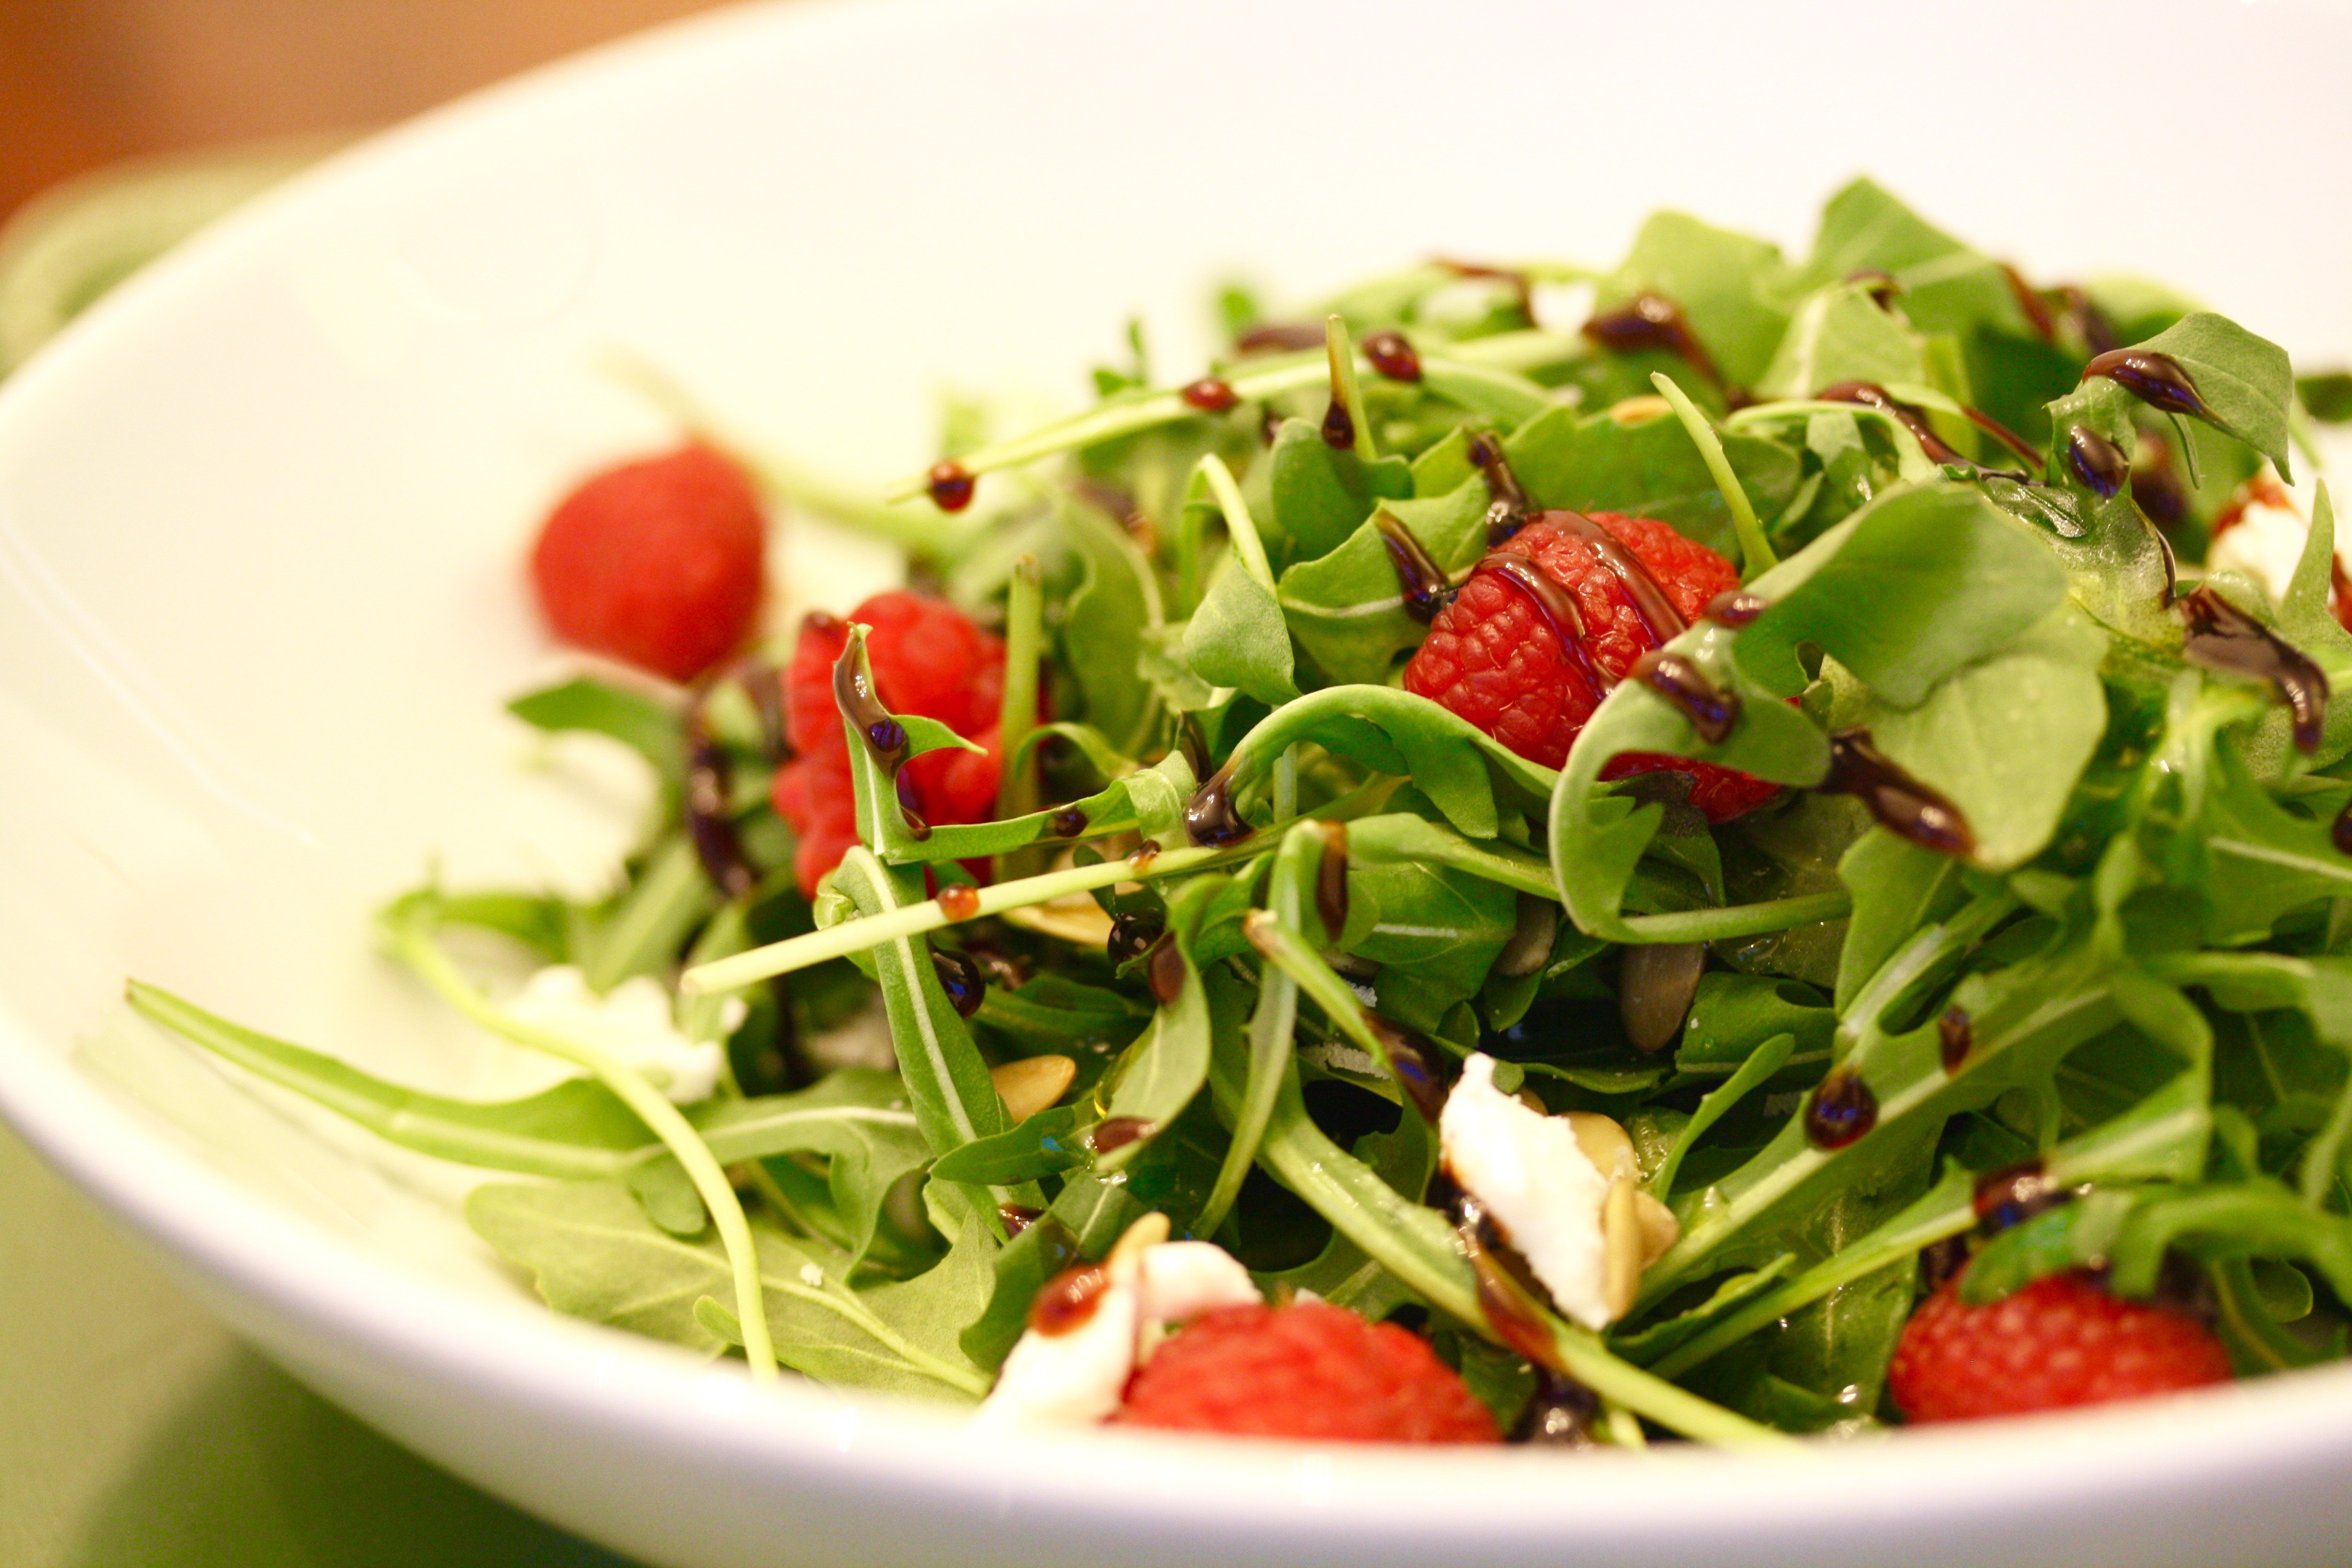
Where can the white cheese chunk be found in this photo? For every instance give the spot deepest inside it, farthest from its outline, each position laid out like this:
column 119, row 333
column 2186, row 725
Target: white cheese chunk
column 2263, row 545
column 1537, row 1183
column 632, row 1022
column 1077, row 1377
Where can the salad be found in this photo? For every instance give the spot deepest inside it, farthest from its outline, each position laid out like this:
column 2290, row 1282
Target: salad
column 1681, row 851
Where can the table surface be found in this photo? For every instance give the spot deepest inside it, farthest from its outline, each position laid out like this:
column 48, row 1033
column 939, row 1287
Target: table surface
column 134, row 1429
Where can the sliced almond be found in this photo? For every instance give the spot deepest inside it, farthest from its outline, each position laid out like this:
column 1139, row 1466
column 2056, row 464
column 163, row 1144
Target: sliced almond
column 1076, row 920
column 1621, row 1232
column 1149, row 1231
column 1030, row 1084
column 1605, row 1144
column 1639, row 410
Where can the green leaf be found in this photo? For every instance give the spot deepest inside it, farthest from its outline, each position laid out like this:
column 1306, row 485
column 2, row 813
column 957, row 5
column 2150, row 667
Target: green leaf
column 1733, row 289
column 1946, row 286
column 1733, row 1016
column 594, row 1253
column 1908, row 590
column 1649, row 469
column 1158, row 1075
column 856, row 1117
column 2245, row 381
column 1238, row 638
column 1439, row 925
column 1321, row 494
column 646, row 725
column 1046, row 1144
column 1347, row 607
column 1898, row 887
column 2328, row 397
column 1103, row 627
column 1841, row 333
column 578, row 1130
column 2006, row 738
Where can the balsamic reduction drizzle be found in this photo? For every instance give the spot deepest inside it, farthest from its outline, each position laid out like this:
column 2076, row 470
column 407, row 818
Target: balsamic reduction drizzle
column 1883, row 287
column 1903, row 806
column 1956, row 1037
column 958, row 900
column 1870, row 395
column 2005, row 436
column 1736, row 608
column 2155, row 379
column 950, row 484
column 1331, row 881
column 1068, row 822
column 2029, row 300
column 1663, row 622
column 1164, row 972
column 1559, row 1414
column 2223, row 637
column 1840, row 1111
column 1412, row 1061
column 1655, row 321
column 1712, row 711
column 1507, row 503
column 717, row 846
column 1392, row 356
column 1279, row 337
column 1211, row 818
column 1554, row 603
column 1068, row 1300
column 2011, row 1197
column 885, row 738
column 1117, row 1132
column 1505, row 1294
column 1018, row 1217
column 2103, row 467
column 1517, row 280
column 1209, row 395
column 960, row 978
column 1131, row 934
column 1339, row 425
column 1423, row 582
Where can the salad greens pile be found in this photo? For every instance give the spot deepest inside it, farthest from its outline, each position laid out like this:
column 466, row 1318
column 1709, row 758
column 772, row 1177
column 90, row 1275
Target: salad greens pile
column 2057, row 900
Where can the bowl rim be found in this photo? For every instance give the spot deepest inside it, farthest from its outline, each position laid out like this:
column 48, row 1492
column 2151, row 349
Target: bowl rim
column 520, row 1355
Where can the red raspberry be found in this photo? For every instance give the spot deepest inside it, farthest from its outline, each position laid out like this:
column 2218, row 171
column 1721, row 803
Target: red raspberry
column 2061, row 1341
column 1494, row 658
column 930, row 660
column 657, row 562
column 1309, row 1370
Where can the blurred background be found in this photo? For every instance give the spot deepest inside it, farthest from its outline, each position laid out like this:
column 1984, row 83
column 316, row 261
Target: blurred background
column 84, row 83
column 134, row 1431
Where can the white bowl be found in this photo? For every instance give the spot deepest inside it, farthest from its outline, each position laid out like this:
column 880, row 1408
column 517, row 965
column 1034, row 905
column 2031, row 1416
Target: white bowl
column 260, row 516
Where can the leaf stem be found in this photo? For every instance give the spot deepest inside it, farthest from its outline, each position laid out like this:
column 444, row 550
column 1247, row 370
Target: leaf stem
column 872, row 931
column 1742, row 919
column 1754, row 550
column 1240, row 526
column 1345, row 387
column 662, row 1118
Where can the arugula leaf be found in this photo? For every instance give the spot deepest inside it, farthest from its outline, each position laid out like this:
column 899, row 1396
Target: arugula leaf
column 1321, row 494
column 1105, row 625
column 1841, row 333
column 2244, row 381
column 1347, row 607
column 1158, row 1075
column 1946, row 286
column 1733, row 289
column 1898, row 887
column 652, row 729
column 1238, row 638
column 1912, row 587
column 2004, row 739
column 1649, row 469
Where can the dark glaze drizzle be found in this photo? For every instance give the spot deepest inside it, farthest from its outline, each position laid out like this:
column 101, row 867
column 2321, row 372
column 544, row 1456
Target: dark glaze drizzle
column 1903, row 806
column 2011, row 1197
column 1209, row 395
column 1116, row 1132
column 1339, row 425
column 1068, row 822
column 2223, row 637
column 1659, row 617
column 1068, row 1300
column 950, row 483
column 1559, row 1415
column 1018, row 1217
column 1507, row 503
column 2005, row 436
column 1164, row 972
column 1145, row 853
column 1711, row 711
column 763, row 683
column 885, row 737
column 1423, row 582
column 1132, row 935
column 1279, row 337
column 2340, row 831
column 1211, row 818
column 2103, row 467
column 2157, row 486
column 958, row 900
column 1411, row 1062
column 716, row 843
column 1840, row 1111
column 1331, row 881
column 1736, row 608
column 1392, row 356
column 2155, row 379
column 1557, row 606
column 960, row 978
column 1520, row 286
column 2030, row 301
column 2098, row 332
column 1956, row 1037
column 1655, row 321
column 1504, row 1292
column 1870, row 395
column 1883, row 287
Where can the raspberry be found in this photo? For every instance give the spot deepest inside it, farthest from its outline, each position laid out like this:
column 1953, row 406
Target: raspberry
column 1309, row 1370
column 1494, row 658
column 2061, row 1341
column 655, row 563
column 930, row 660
